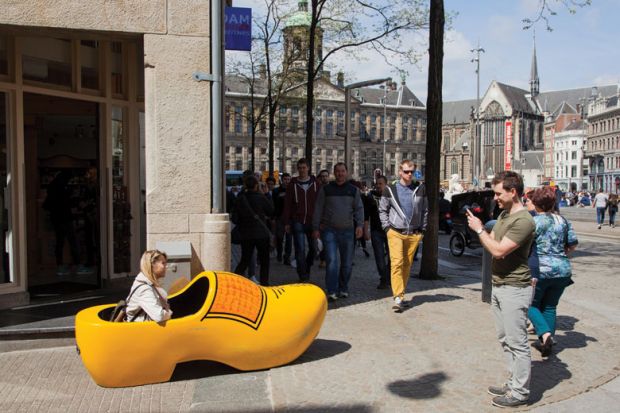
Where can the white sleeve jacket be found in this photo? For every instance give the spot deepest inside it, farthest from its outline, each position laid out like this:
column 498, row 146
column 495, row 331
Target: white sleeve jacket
column 145, row 304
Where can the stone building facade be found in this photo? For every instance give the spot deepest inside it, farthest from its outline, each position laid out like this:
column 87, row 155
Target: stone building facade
column 603, row 143
column 102, row 92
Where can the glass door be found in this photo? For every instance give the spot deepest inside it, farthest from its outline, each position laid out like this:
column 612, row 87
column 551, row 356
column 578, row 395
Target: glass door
column 5, row 200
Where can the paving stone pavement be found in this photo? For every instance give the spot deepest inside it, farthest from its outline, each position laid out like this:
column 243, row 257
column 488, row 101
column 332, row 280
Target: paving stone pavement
column 440, row 355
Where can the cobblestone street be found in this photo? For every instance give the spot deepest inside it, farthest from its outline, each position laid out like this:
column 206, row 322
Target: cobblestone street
column 440, row 355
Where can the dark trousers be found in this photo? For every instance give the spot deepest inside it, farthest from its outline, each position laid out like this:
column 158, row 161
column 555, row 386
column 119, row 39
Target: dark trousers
column 283, row 238
column 378, row 238
column 64, row 230
column 301, row 234
column 262, row 248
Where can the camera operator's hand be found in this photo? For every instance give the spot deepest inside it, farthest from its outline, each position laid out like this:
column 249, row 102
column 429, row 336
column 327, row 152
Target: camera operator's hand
column 473, row 222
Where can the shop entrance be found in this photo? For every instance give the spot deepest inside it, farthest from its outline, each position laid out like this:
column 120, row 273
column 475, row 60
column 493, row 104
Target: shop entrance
column 61, row 140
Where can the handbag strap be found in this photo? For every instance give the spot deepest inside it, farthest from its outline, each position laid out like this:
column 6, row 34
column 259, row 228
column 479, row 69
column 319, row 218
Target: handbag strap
column 255, row 215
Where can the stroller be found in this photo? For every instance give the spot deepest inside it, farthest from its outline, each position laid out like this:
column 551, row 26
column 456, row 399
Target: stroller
column 482, row 205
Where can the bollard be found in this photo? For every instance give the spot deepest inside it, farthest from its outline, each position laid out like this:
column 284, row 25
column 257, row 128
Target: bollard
column 486, row 267
column 486, row 276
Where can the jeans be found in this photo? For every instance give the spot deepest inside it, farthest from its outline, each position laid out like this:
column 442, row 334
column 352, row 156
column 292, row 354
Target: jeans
column 612, row 215
column 600, row 215
column 378, row 238
column 301, row 233
column 338, row 241
column 283, row 237
column 510, row 305
column 542, row 312
column 247, row 249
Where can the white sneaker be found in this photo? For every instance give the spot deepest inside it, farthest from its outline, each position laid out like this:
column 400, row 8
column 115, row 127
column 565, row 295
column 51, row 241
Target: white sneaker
column 398, row 305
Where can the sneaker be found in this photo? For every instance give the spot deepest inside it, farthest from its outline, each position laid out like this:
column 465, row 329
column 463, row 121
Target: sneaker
column 332, row 297
column 498, row 390
column 294, row 264
column 599, row 227
column 343, row 294
column 398, row 305
column 507, row 400
column 62, row 270
column 83, row 270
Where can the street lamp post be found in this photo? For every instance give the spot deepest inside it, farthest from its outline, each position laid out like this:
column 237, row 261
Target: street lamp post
column 347, row 116
column 477, row 147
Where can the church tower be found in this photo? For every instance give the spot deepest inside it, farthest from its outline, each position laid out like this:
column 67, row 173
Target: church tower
column 534, row 81
column 296, row 39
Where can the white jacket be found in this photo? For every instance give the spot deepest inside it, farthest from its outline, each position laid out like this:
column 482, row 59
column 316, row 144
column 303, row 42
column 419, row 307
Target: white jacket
column 145, row 298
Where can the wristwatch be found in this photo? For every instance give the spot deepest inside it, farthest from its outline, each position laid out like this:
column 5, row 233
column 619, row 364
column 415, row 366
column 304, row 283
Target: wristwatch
column 480, row 231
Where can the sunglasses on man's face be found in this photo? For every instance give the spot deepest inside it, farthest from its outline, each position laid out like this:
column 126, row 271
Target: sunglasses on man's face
column 408, row 172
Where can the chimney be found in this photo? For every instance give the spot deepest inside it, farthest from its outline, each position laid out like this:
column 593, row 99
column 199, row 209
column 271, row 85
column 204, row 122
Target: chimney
column 262, row 71
column 340, row 79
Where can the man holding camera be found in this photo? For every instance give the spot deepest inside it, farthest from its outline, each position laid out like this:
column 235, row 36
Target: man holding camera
column 509, row 244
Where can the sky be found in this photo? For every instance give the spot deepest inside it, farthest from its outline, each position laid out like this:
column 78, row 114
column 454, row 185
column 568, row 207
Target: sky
column 581, row 51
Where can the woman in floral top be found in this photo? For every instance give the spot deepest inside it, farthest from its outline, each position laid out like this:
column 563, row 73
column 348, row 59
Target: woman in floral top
column 554, row 238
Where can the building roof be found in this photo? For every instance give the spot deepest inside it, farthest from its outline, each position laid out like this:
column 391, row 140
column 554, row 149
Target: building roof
column 402, row 96
column 301, row 17
column 517, row 98
column 239, row 84
column 553, row 99
column 530, row 160
column 564, row 109
column 458, row 111
column 575, row 125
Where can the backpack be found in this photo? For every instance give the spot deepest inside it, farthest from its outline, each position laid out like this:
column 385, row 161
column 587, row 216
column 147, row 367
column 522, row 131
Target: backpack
column 120, row 311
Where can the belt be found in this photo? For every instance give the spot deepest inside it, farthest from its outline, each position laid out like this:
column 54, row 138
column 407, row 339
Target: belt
column 406, row 231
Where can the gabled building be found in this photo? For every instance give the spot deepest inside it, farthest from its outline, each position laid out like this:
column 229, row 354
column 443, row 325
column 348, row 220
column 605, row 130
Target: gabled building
column 456, row 133
column 603, row 143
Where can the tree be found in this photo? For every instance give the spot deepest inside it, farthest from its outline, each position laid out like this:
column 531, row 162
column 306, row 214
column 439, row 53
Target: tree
column 429, row 264
column 266, row 73
column 547, row 9
column 355, row 24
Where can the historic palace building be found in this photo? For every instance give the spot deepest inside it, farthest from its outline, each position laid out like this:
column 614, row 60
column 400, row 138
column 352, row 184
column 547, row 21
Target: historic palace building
column 388, row 124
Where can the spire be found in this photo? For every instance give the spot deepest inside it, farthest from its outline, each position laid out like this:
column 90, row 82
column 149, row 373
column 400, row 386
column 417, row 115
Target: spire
column 534, row 81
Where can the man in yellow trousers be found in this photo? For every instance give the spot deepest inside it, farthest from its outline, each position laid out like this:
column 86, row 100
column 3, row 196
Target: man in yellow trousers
column 403, row 210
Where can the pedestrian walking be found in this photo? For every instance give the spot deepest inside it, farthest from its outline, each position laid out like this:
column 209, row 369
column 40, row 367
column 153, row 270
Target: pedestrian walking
column 613, row 209
column 373, row 229
column 251, row 213
column 509, row 244
column 282, row 237
column 338, row 221
column 403, row 211
column 600, row 203
column 323, row 178
column 554, row 238
column 298, row 211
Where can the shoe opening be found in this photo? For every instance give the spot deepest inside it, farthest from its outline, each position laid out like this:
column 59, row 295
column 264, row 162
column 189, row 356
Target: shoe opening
column 182, row 305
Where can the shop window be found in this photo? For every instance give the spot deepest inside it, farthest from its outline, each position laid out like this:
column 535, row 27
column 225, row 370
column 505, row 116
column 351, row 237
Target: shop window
column 121, row 211
column 117, row 66
column 46, row 59
column 89, row 64
column 4, row 55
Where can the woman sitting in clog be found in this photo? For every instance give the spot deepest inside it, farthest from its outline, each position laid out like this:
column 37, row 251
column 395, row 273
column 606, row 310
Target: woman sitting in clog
column 147, row 301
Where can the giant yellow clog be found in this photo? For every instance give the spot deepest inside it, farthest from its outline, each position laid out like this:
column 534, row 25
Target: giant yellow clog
column 218, row 316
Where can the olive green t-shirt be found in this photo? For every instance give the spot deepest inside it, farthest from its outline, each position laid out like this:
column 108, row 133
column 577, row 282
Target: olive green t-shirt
column 513, row 270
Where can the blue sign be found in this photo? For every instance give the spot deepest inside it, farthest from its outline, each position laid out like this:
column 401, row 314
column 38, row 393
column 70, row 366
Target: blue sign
column 238, row 28
column 417, row 174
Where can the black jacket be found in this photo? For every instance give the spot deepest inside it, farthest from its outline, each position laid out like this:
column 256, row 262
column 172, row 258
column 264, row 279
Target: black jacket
column 247, row 205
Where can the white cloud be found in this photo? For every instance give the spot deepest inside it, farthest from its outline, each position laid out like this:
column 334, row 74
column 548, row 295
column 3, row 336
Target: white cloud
column 503, row 29
column 457, row 46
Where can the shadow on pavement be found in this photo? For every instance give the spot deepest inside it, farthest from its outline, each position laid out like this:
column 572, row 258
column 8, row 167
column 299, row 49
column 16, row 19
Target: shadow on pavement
column 200, row 369
column 427, row 386
column 547, row 374
column 361, row 408
column 322, row 349
column 418, row 300
column 565, row 322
